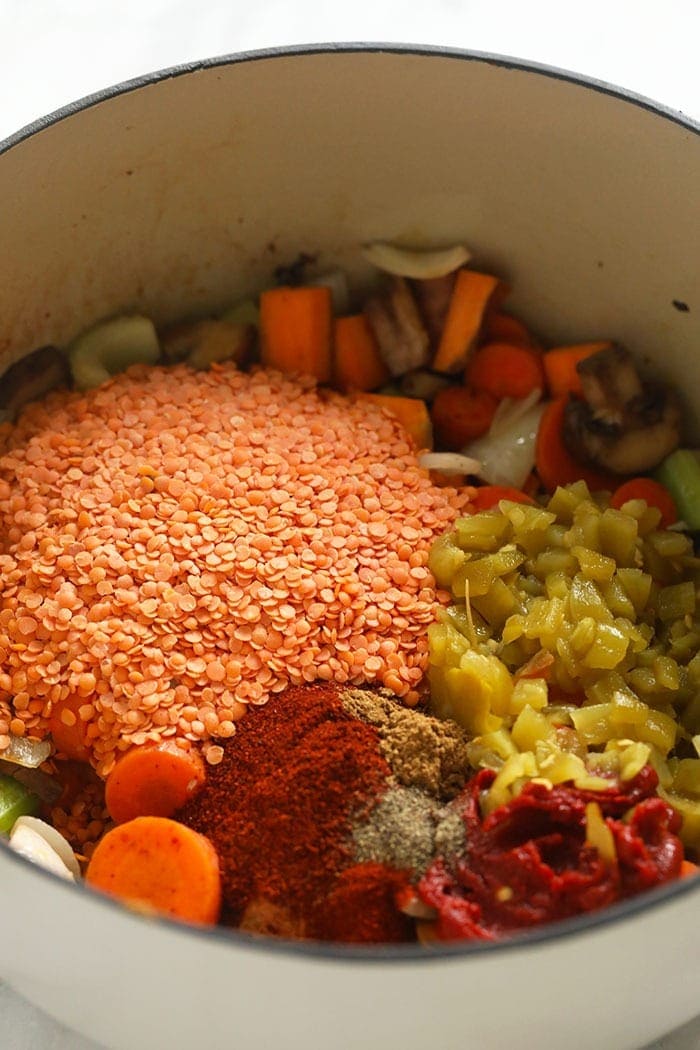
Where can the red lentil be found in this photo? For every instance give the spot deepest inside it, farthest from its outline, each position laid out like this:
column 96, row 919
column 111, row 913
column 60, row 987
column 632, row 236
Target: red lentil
column 232, row 531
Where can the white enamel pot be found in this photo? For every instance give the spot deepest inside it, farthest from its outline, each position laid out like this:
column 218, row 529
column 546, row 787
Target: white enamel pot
column 174, row 195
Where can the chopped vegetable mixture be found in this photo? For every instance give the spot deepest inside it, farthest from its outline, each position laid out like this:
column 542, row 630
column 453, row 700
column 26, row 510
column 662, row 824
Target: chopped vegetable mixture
column 447, row 575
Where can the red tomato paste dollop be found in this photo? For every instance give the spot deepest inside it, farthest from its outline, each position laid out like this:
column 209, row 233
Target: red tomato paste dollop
column 528, row 862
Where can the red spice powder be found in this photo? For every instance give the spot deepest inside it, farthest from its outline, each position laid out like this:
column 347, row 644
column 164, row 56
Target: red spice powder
column 278, row 809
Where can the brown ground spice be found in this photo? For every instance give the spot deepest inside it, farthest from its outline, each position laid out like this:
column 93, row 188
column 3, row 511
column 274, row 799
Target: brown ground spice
column 422, row 751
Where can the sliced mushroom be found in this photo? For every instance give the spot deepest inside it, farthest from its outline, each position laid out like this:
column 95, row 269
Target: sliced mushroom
column 31, row 378
column 623, row 424
column 422, row 384
column 202, row 343
column 401, row 336
column 433, row 298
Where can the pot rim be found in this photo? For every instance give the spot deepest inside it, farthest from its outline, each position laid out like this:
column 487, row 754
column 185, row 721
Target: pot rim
column 350, row 47
column 411, row 953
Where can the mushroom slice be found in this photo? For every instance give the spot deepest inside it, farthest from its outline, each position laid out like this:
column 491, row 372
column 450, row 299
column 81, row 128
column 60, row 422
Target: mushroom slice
column 433, row 295
column 624, row 425
column 610, row 381
column 401, row 336
column 203, row 343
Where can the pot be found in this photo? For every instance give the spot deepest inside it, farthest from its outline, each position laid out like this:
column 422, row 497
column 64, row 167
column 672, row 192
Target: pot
column 174, row 195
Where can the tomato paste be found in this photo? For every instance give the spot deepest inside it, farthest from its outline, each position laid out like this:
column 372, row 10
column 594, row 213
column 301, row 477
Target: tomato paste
column 528, row 862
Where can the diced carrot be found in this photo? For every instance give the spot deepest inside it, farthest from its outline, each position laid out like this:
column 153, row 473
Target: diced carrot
column 461, row 415
column 553, row 461
column 68, row 730
column 504, row 370
column 538, row 666
column 153, row 782
column 652, row 492
column 443, row 480
column 500, row 327
column 471, row 295
column 486, row 497
column 295, row 330
column 158, row 864
column 560, row 366
column 411, row 412
column 688, row 869
column 357, row 363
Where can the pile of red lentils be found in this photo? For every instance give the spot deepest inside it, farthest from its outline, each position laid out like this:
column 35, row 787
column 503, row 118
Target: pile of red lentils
column 178, row 545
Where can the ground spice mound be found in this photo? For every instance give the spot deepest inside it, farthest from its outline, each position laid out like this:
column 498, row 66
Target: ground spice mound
column 278, row 809
column 428, row 753
column 315, row 835
column 176, row 545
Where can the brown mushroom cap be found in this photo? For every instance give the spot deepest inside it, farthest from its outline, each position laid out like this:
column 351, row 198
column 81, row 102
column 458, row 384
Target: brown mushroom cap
column 623, row 424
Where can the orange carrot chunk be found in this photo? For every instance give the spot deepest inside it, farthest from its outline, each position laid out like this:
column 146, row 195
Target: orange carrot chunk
column 461, row 415
column 153, row 781
column 486, row 497
column 652, row 492
column 553, row 461
column 154, row 862
column 688, row 869
column 357, row 363
column 295, row 330
column 411, row 412
column 471, row 296
column 560, row 367
column 68, row 730
column 500, row 327
column 504, row 370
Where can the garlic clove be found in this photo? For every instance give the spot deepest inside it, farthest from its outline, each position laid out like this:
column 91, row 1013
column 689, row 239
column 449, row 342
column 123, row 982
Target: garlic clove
column 53, row 838
column 34, row 847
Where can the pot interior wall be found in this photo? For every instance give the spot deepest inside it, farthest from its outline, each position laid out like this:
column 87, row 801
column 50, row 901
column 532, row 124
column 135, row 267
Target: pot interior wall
column 177, row 197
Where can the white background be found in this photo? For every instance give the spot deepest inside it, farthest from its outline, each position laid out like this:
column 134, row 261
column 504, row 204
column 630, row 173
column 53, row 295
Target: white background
column 55, row 51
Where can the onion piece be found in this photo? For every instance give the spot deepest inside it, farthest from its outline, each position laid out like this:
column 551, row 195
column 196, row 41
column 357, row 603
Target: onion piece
column 24, row 752
column 52, row 838
column 510, row 409
column 449, row 463
column 421, row 265
column 508, row 456
column 34, row 847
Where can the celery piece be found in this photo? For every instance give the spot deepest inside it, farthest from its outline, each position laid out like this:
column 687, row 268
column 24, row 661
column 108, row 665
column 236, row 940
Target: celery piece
column 676, row 601
column 15, row 801
column 680, row 473
column 243, row 312
column 110, row 347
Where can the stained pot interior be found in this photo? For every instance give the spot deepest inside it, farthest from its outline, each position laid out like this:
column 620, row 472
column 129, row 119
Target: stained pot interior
column 177, row 197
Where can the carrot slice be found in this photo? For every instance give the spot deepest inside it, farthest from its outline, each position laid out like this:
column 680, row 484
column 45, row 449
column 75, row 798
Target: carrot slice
column 505, row 370
column 688, row 869
column 411, row 412
column 486, row 497
column 652, row 492
column 295, row 330
column 461, row 415
column 153, row 781
column 357, row 363
column 68, row 731
column 500, row 327
column 553, row 461
column 471, row 295
column 156, row 863
column 560, row 366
